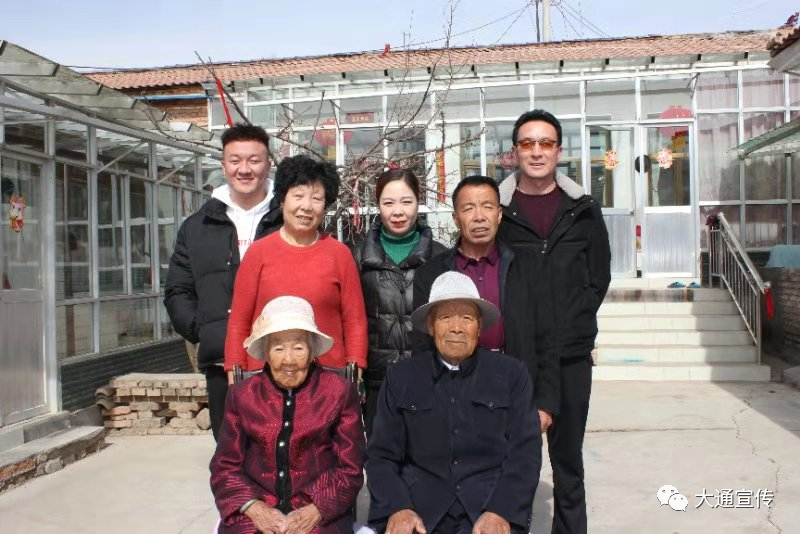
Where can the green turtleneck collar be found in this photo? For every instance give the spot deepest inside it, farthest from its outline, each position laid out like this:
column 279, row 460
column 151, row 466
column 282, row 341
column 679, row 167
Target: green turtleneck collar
column 398, row 248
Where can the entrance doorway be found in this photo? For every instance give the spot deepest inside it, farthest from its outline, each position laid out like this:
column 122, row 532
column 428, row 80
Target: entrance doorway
column 642, row 177
column 23, row 368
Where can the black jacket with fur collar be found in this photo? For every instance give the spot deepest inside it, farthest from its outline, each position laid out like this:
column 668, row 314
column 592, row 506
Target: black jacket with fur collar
column 578, row 255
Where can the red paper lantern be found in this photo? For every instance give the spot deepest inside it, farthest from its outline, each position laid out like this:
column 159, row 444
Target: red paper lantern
column 328, row 137
column 675, row 112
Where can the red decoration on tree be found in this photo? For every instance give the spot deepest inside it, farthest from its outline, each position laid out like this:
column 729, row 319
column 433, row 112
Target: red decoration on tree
column 328, row 137
column 224, row 104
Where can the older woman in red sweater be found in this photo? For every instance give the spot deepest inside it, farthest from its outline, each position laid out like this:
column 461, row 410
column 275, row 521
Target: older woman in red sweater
column 301, row 261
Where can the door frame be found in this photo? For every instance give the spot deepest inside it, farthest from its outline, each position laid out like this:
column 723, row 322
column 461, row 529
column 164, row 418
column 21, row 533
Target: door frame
column 692, row 207
column 47, row 252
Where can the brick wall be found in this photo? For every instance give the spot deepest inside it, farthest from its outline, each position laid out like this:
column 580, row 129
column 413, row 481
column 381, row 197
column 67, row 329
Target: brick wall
column 80, row 379
column 195, row 111
column 782, row 332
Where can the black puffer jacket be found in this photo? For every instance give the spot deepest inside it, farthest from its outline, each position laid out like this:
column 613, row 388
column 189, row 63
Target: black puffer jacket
column 202, row 270
column 388, row 297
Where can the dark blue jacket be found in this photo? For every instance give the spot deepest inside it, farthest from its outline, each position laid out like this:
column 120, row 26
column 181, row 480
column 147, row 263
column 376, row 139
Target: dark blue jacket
column 471, row 435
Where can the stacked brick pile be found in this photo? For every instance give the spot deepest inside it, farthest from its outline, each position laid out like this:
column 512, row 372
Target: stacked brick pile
column 150, row 404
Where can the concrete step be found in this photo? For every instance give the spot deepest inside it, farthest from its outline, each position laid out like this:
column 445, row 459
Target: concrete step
column 719, row 323
column 48, row 454
column 648, row 283
column 667, row 308
column 668, row 338
column 676, row 354
column 667, row 295
column 714, row 372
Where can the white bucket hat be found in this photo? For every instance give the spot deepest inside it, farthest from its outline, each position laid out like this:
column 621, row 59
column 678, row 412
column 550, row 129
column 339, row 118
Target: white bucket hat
column 453, row 285
column 286, row 313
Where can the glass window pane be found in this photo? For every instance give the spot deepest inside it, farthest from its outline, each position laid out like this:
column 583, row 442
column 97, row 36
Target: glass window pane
column 507, row 102
column 166, row 227
column 406, row 106
column 762, row 88
column 796, row 224
column 141, row 273
column 764, row 176
column 72, row 234
column 407, row 150
column 271, row 117
column 610, row 100
column 669, row 185
column 72, row 140
column 571, row 144
column 458, row 104
column 765, row 226
column 126, row 322
column 110, row 234
column 322, row 142
column 24, row 130
column 363, row 143
column 314, row 113
column 175, row 165
column 361, row 110
column 74, row 329
column 719, row 169
column 612, row 187
column 717, row 90
column 167, row 330
column 666, row 98
column 558, row 98
column 732, row 215
column 21, row 236
column 500, row 159
column 794, row 90
column 123, row 153
column 218, row 117
column 211, row 169
column 469, row 150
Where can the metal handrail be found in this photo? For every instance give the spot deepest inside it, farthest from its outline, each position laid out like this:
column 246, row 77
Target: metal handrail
column 729, row 262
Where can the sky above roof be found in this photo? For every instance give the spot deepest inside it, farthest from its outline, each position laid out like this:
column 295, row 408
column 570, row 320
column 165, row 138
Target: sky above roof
column 149, row 33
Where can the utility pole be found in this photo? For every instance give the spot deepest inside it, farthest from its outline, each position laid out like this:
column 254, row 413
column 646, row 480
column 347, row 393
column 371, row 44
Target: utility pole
column 538, row 33
column 546, row 19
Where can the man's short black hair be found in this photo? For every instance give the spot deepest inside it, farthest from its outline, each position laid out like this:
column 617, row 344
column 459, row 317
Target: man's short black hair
column 245, row 132
column 536, row 115
column 476, row 180
column 303, row 170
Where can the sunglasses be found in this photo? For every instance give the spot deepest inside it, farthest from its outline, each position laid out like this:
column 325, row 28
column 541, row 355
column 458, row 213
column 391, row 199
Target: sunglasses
column 545, row 143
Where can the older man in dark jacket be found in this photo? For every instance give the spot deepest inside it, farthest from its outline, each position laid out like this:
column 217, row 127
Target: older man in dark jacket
column 456, row 445
column 208, row 249
column 547, row 214
column 515, row 281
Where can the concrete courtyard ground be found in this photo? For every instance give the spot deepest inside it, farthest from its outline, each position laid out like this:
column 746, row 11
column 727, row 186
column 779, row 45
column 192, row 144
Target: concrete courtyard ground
column 642, row 435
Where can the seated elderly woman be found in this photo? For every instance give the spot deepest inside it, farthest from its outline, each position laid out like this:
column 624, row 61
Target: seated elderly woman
column 291, row 446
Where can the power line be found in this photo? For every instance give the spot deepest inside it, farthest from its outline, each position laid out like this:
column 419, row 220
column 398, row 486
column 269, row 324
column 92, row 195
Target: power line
column 582, row 21
column 482, row 26
column 521, row 13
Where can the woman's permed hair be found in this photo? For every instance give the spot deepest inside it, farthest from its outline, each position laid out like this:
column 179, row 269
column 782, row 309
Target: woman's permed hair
column 303, row 170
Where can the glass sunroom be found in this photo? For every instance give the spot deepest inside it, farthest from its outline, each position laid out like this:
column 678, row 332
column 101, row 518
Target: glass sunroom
column 91, row 202
column 648, row 137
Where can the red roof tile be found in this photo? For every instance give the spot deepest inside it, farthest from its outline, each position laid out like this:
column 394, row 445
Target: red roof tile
column 783, row 38
column 671, row 45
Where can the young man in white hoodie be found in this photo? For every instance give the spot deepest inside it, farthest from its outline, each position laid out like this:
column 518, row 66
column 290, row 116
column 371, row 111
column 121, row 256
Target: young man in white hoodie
column 210, row 245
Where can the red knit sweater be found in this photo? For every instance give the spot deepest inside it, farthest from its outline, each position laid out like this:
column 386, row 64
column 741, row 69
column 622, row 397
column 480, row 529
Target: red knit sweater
column 324, row 274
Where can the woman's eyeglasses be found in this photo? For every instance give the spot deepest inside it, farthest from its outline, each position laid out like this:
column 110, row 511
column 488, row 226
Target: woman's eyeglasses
column 545, row 143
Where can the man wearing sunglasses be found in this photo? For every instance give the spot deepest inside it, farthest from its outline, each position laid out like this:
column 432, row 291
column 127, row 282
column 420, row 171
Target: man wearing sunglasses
column 544, row 211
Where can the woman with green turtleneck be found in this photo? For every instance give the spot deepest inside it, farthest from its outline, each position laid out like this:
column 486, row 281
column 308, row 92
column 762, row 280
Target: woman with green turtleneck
column 394, row 247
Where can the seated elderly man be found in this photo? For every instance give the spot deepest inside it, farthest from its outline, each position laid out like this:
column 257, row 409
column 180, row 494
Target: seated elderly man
column 291, row 446
column 456, row 445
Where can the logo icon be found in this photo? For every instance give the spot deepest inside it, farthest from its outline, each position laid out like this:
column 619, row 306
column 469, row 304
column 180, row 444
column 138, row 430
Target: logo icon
column 670, row 495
